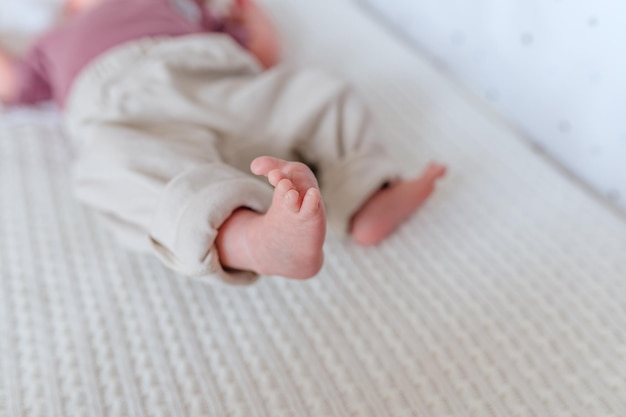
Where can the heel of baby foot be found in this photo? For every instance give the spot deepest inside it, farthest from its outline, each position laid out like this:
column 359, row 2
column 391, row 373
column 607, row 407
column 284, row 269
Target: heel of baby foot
column 309, row 266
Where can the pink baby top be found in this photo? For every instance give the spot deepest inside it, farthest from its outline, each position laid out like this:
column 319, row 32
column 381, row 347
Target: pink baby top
column 49, row 68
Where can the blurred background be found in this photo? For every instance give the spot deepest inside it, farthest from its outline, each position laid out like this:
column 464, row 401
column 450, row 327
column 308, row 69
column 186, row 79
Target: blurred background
column 554, row 69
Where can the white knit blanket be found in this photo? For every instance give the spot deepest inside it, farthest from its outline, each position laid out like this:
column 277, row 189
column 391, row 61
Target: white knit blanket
column 505, row 296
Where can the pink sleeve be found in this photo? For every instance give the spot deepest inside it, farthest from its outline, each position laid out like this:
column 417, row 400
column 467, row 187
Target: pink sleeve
column 237, row 31
column 32, row 79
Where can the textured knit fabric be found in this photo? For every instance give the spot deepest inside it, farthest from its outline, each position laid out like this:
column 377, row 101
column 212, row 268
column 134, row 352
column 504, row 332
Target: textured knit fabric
column 166, row 130
column 503, row 297
column 50, row 67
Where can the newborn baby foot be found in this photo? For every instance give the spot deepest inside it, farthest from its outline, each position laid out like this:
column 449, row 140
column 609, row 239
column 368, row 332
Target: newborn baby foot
column 391, row 206
column 288, row 239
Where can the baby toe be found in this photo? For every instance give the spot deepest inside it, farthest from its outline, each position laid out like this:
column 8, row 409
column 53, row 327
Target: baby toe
column 311, row 202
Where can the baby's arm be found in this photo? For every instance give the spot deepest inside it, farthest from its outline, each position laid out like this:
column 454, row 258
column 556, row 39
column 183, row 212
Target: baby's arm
column 262, row 36
column 8, row 76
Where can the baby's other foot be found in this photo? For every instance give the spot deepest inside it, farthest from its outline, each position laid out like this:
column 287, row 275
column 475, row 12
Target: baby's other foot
column 389, row 207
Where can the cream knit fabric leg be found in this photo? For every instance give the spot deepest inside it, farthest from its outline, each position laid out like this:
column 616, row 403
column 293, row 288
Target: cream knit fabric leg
column 148, row 157
column 173, row 198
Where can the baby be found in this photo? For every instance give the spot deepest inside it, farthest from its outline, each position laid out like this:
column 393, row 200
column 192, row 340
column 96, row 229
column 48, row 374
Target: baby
column 169, row 107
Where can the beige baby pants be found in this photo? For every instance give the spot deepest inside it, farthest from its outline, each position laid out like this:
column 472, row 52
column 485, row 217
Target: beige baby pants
column 165, row 130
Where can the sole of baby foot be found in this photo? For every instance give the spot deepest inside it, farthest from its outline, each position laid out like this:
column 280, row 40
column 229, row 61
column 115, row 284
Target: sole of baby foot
column 288, row 239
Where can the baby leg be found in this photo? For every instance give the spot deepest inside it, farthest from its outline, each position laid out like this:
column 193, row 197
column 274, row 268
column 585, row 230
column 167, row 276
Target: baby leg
column 287, row 240
column 320, row 119
column 343, row 142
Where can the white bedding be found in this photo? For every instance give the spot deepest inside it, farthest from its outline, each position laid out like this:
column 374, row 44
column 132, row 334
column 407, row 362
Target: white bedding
column 504, row 296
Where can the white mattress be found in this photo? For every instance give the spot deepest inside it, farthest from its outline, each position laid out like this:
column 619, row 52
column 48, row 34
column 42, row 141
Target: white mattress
column 505, row 296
